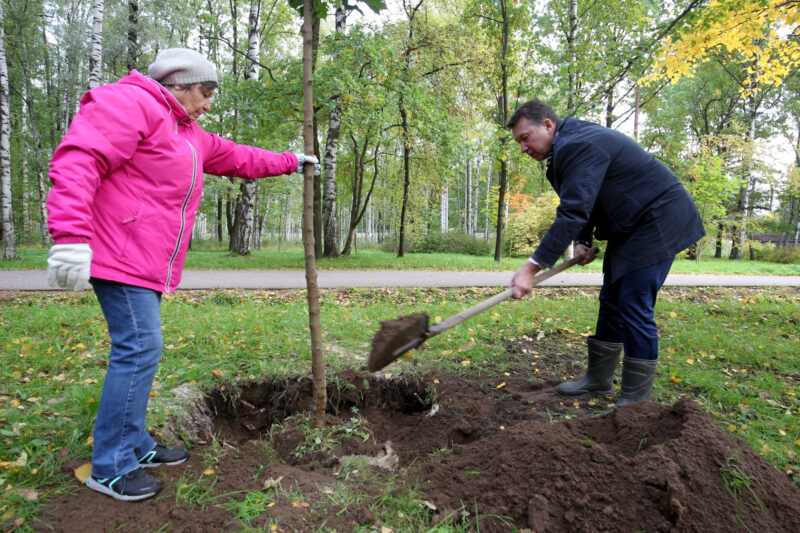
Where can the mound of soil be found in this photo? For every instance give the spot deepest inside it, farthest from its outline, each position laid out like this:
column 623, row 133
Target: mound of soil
column 500, row 452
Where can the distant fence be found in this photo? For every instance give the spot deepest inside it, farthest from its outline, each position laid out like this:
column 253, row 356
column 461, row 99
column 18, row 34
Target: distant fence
column 778, row 239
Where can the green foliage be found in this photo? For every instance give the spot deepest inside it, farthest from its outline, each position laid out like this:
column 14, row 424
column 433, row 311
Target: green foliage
column 453, row 242
column 785, row 254
column 526, row 228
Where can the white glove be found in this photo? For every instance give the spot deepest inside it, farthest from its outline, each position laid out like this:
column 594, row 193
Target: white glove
column 68, row 266
column 302, row 159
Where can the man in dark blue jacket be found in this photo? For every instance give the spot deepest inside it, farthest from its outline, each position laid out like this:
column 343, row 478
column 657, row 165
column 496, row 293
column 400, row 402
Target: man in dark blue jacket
column 610, row 186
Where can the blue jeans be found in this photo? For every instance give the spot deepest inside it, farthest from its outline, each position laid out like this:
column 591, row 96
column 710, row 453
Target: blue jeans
column 134, row 323
column 627, row 310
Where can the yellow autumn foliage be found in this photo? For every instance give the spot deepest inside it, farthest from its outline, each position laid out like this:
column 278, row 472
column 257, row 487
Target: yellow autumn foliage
column 759, row 34
column 527, row 227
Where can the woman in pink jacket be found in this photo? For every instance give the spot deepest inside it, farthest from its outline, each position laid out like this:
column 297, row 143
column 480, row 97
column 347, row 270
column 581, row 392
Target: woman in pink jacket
column 127, row 180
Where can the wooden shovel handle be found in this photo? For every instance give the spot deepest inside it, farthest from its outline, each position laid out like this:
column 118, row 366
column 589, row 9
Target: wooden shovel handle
column 497, row 298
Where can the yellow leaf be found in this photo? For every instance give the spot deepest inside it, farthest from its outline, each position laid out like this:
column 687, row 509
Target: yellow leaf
column 675, row 379
column 217, row 373
column 90, row 441
column 208, row 471
column 673, row 314
column 501, row 385
column 436, row 381
column 465, row 363
column 576, row 404
column 437, row 319
column 299, row 504
column 690, row 361
column 732, row 427
column 83, row 472
column 447, row 352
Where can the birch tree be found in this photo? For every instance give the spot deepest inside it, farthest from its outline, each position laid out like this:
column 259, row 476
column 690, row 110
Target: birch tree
column 242, row 235
column 9, row 235
column 331, row 241
column 96, row 54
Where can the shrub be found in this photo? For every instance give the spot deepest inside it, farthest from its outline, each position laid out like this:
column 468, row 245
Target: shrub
column 785, row 255
column 527, row 227
column 453, row 242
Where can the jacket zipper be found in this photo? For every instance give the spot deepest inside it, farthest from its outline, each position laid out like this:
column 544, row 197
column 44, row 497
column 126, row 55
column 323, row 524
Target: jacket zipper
column 183, row 214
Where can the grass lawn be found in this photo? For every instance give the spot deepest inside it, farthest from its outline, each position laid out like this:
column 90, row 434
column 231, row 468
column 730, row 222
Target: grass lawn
column 292, row 258
column 732, row 350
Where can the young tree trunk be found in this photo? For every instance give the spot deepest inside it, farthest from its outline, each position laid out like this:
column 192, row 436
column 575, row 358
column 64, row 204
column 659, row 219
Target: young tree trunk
column 9, row 235
column 502, row 118
column 96, row 55
column 330, row 248
column 317, row 359
column 133, row 34
column 401, row 248
column 357, row 210
column 242, row 236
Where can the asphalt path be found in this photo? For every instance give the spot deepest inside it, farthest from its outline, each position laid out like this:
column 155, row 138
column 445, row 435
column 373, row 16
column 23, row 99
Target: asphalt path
column 36, row 280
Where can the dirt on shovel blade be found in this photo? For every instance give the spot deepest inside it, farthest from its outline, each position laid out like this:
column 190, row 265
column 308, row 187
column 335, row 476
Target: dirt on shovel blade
column 393, row 335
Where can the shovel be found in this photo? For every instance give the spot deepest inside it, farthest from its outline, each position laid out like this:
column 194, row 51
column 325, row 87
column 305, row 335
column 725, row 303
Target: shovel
column 403, row 334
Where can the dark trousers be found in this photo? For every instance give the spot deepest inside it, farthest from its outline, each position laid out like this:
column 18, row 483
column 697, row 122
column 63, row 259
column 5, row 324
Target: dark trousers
column 627, row 309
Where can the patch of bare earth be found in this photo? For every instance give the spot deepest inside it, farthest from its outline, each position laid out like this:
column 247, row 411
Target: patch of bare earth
column 500, row 451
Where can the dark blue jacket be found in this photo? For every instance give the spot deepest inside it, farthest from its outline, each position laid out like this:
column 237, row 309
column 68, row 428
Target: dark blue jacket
column 609, row 184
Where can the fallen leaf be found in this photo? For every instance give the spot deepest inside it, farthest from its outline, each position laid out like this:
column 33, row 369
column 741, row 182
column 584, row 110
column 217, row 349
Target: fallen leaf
column 268, row 484
column 217, row 373
column 29, row 494
column 83, row 472
column 300, row 503
column 208, row 471
column 501, row 385
column 465, row 363
column 540, row 336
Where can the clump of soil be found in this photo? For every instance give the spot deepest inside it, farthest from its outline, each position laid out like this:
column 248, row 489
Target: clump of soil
column 393, row 335
column 498, row 451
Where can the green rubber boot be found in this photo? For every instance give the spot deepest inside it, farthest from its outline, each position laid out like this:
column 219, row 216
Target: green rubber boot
column 599, row 378
column 638, row 376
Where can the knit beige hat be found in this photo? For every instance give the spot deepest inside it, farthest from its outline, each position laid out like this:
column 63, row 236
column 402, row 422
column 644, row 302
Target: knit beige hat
column 181, row 66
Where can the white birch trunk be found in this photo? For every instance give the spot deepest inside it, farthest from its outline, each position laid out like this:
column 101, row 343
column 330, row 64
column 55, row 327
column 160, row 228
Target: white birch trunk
column 96, row 56
column 444, row 203
column 329, row 226
column 488, row 202
column 245, row 207
column 9, row 235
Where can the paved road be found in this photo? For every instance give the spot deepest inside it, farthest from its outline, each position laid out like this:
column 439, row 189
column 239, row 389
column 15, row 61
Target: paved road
column 36, row 280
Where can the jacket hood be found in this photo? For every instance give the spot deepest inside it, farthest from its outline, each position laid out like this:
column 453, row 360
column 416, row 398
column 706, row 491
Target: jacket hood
column 158, row 92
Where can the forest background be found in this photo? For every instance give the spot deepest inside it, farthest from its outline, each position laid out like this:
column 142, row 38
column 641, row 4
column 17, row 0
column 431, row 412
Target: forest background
column 410, row 103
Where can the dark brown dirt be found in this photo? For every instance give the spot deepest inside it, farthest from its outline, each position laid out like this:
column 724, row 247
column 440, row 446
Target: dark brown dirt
column 393, row 335
column 501, row 452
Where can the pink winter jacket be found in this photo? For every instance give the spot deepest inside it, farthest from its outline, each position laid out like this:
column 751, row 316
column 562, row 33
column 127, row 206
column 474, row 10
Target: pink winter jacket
column 128, row 176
